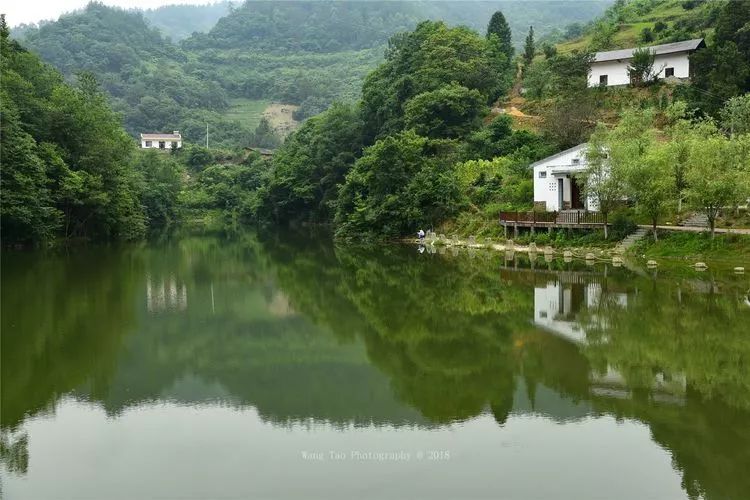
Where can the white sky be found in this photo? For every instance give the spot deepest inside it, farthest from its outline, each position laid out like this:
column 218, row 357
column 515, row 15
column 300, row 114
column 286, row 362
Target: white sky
column 32, row 11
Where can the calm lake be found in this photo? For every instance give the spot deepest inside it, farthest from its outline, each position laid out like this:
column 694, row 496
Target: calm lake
column 287, row 367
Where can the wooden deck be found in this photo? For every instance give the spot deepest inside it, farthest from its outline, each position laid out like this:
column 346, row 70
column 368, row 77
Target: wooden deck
column 567, row 219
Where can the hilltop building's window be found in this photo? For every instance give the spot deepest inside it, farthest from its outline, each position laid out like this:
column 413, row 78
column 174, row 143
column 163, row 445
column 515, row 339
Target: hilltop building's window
column 542, row 174
column 161, row 144
column 148, row 144
column 668, row 72
column 603, row 79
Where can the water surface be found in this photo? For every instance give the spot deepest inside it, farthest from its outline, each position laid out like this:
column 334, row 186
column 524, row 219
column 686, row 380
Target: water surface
column 285, row 367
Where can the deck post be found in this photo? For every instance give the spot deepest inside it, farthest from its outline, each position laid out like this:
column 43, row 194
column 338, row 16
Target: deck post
column 505, row 231
column 549, row 230
column 515, row 229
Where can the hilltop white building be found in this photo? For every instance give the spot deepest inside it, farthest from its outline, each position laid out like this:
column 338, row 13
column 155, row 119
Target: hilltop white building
column 161, row 141
column 671, row 61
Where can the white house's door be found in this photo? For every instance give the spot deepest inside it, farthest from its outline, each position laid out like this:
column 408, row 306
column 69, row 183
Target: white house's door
column 560, row 192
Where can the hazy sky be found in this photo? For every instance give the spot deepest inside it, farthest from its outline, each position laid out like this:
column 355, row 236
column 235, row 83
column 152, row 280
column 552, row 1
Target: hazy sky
column 31, row 11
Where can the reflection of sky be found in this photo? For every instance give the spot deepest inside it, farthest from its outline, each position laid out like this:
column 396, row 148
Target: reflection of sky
column 172, row 451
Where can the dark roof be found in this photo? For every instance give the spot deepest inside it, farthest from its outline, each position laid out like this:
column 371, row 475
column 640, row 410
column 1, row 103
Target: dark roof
column 667, row 48
column 262, row 151
column 569, row 150
column 158, row 137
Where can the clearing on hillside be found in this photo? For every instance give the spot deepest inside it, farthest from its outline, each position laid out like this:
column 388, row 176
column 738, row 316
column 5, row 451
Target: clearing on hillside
column 281, row 118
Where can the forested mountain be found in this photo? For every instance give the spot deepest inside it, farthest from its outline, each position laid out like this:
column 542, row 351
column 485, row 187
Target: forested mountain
column 308, row 53
column 180, row 21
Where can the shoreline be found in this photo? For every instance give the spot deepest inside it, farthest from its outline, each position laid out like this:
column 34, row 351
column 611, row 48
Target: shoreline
column 615, row 256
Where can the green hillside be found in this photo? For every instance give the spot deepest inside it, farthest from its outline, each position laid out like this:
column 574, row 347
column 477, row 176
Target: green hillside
column 305, row 53
column 647, row 22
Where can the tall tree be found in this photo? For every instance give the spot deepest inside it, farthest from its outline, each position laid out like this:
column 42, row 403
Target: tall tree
column 716, row 176
column 603, row 184
column 641, row 67
column 499, row 28
column 528, row 47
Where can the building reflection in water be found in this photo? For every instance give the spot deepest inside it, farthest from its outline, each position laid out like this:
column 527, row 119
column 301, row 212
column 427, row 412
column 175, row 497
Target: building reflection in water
column 558, row 306
column 165, row 294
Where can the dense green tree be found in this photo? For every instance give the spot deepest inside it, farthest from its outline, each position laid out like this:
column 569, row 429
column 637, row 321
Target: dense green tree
column 641, row 67
column 265, row 136
column 309, row 168
column 529, row 48
column 398, row 185
column 717, row 175
column 70, row 167
column 722, row 70
column 735, row 115
column 424, row 60
column 499, row 28
column 448, row 112
column 603, row 180
column 161, row 184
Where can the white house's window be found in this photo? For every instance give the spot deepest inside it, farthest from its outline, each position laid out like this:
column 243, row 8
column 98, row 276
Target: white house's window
column 576, row 161
column 542, row 174
column 668, row 72
column 603, row 79
column 162, row 144
column 148, row 144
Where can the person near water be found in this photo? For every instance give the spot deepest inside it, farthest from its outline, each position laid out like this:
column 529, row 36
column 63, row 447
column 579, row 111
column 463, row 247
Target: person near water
column 420, row 234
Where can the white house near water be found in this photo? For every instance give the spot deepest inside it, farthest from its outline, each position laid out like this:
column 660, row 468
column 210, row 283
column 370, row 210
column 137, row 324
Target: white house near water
column 555, row 185
column 671, row 61
column 161, row 141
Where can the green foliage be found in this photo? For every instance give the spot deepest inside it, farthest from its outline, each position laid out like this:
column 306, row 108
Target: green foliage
column 735, row 115
column 448, row 112
column 234, row 189
column 309, row 168
column 499, row 28
column 430, row 57
column 647, row 35
column 717, row 175
column 498, row 139
column 603, row 181
column 396, row 186
column 265, row 136
column 503, row 182
column 529, row 49
column 641, row 67
column 180, row 21
column 70, row 172
column 729, row 248
column 161, row 184
column 722, row 70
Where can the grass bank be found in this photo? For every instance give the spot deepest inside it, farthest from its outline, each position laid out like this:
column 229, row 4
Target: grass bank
column 724, row 249
column 485, row 225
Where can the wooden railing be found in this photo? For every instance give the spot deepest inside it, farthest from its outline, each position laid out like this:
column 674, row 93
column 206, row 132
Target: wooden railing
column 572, row 217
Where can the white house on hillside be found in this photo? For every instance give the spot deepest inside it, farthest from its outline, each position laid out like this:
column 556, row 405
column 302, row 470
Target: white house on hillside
column 671, row 60
column 555, row 185
column 161, row 141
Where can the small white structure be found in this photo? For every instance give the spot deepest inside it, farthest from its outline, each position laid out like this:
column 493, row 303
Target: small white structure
column 671, row 61
column 161, row 141
column 555, row 185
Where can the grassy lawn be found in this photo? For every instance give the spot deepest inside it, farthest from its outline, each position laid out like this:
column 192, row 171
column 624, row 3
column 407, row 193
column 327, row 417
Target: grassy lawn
column 247, row 111
column 725, row 249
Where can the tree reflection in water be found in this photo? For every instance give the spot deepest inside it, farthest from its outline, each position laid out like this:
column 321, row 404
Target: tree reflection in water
column 301, row 329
